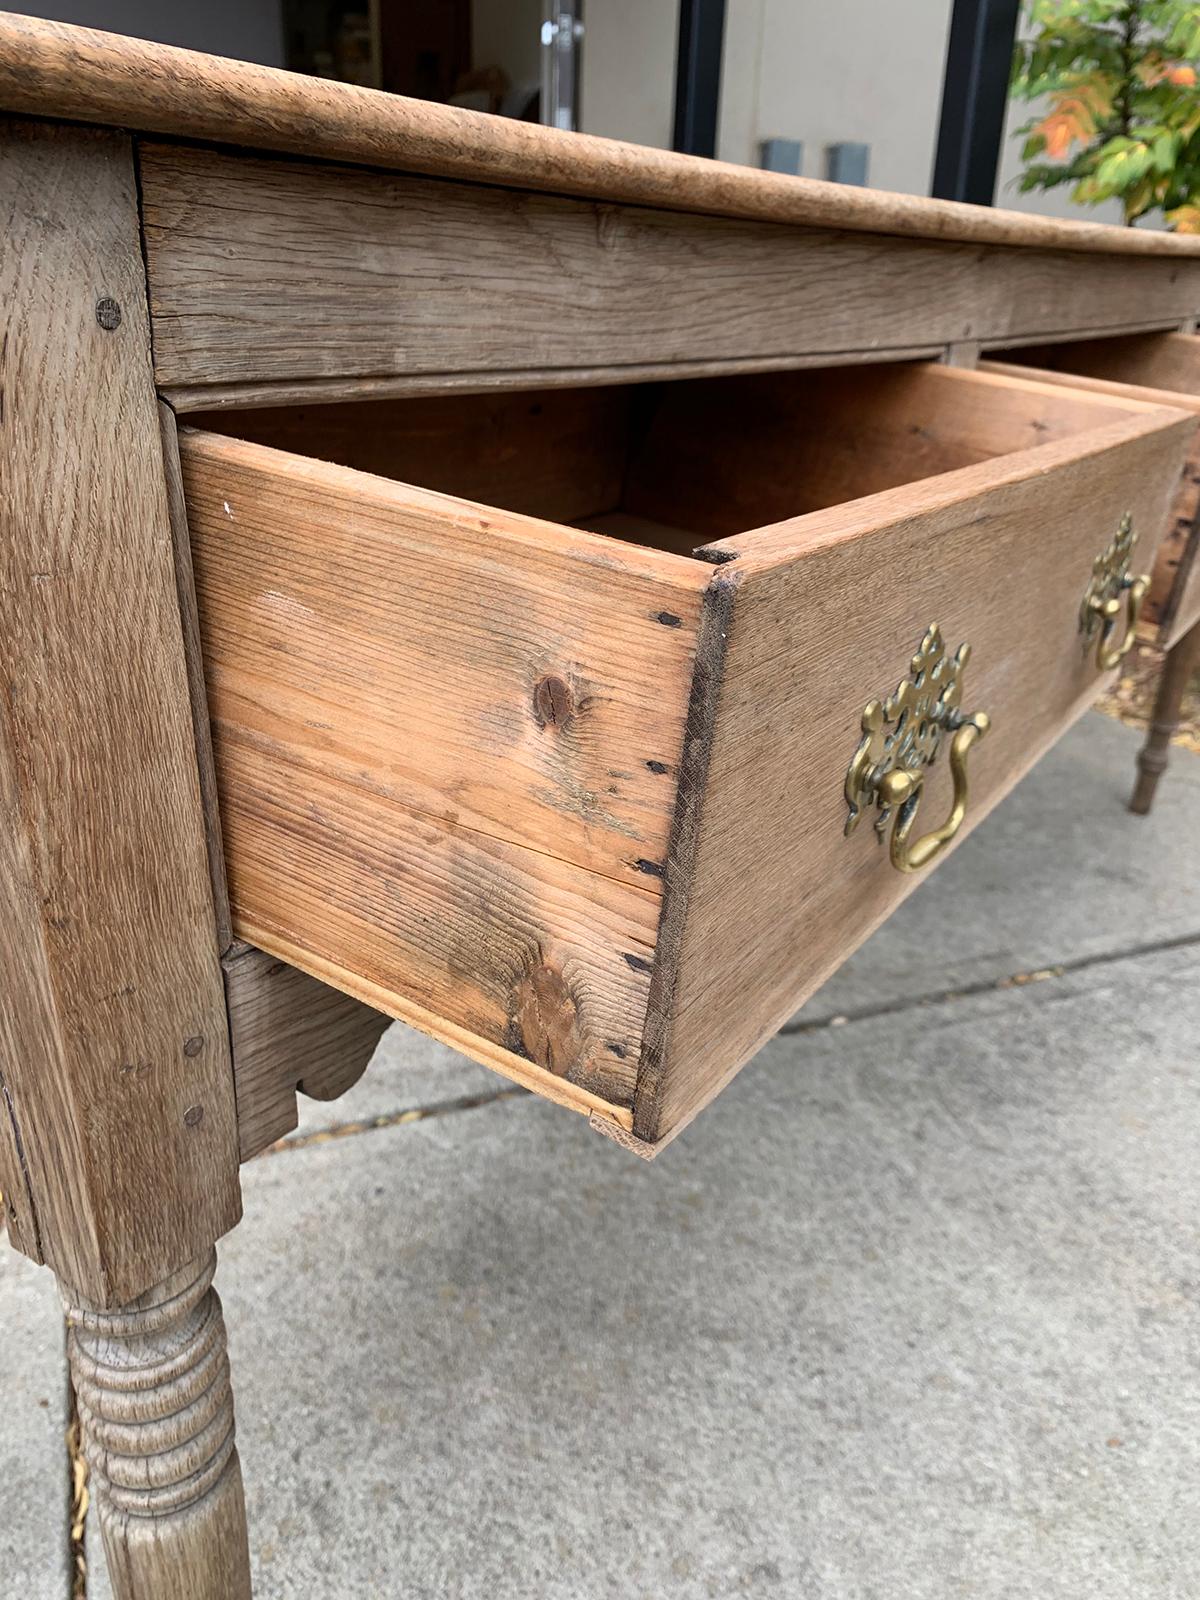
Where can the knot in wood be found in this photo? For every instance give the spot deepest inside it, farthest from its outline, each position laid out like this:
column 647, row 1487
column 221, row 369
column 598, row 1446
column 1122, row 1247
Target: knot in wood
column 553, row 704
column 108, row 314
column 545, row 1019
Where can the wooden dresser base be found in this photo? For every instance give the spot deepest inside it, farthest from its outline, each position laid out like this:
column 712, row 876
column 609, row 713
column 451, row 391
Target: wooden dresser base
column 618, row 933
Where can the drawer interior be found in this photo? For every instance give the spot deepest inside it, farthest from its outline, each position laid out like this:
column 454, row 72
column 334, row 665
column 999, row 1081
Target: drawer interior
column 675, row 466
column 1163, row 368
column 1166, row 361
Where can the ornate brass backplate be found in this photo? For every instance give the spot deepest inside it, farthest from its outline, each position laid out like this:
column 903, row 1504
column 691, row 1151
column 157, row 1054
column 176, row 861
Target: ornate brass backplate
column 1101, row 604
column 901, row 737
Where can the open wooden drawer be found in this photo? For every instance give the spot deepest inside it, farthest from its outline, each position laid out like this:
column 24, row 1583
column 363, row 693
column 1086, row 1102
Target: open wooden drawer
column 576, row 801
column 1162, row 369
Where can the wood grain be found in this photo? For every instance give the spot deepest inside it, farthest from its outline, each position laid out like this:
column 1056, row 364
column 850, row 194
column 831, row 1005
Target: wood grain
column 268, row 272
column 1152, row 360
column 156, row 1407
column 112, row 1019
column 553, row 453
column 730, row 454
column 1164, row 369
column 446, row 739
column 185, row 589
column 777, row 896
column 204, row 402
column 51, row 69
column 516, row 946
column 403, row 641
column 290, row 1033
column 623, row 1137
column 518, row 1067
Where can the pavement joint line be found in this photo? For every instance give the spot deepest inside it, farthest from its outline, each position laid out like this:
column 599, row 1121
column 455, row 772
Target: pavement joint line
column 968, row 991
column 392, row 1119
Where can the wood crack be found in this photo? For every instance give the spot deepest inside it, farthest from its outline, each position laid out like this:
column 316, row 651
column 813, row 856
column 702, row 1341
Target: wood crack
column 23, row 1168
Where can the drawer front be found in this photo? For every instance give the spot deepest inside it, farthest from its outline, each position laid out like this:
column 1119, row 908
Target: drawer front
column 1163, row 369
column 824, row 615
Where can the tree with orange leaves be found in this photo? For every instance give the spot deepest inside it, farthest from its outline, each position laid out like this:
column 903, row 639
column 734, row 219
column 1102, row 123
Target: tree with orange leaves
column 1122, row 116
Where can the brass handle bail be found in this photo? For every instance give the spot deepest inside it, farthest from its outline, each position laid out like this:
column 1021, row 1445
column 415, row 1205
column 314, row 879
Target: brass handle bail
column 901, row 737
column 1110, row 583
column 1107, row 610
column 903, row 790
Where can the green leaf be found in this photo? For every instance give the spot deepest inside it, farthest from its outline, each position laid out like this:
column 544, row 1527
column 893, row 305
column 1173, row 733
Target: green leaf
column 1145, row 148
column 1164, row 150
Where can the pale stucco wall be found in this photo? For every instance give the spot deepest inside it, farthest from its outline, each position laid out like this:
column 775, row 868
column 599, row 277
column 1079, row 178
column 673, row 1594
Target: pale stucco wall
column 865, row 71
column 628, row 88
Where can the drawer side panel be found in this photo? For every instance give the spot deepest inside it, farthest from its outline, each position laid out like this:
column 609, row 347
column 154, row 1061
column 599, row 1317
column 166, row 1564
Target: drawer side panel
column 521, row 954
column 447, row 740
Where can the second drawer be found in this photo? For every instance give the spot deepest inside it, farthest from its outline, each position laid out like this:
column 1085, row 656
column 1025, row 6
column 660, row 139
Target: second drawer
column 1162, row 369
column 547, row 741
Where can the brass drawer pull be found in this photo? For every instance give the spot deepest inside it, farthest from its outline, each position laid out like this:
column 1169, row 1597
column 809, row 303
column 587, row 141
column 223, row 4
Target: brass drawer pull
column 1101, row 603
column 901, row 738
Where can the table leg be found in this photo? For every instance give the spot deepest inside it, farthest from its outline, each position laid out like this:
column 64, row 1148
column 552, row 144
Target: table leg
column 156, row 1407
column 1180, row 661
column 118, row 1126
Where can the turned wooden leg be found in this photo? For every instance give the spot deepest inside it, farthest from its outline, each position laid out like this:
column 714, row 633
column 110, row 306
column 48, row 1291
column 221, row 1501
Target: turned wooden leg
column 1153, row 756
column 118, row 1122
column 156, row 1408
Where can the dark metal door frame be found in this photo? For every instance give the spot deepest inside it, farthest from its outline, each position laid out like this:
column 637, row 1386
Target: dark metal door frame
column 698, row 76
column 974, row 91
column 974, row 99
